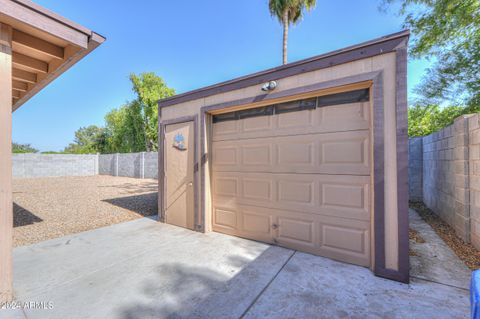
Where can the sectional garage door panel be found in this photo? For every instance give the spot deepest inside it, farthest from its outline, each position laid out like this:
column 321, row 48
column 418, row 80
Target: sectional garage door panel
column 338, row 118
column 346, row 153
column 338, row 238
column 245, row 221
column 299, row 179
column 333, row 195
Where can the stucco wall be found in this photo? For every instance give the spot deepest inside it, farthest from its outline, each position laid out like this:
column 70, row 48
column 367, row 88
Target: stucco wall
column 52, row 165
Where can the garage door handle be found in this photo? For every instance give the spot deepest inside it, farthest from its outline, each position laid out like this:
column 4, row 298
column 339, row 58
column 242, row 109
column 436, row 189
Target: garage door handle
column 274, row 226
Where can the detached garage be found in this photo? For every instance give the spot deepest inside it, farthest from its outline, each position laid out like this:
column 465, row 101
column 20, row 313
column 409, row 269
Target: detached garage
column 311, row 156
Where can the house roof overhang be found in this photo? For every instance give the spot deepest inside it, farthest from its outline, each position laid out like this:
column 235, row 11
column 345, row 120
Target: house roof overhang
column 44, row 45
column 382, row 45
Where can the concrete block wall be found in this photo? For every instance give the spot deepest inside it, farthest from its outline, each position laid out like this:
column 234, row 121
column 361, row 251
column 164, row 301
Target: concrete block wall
column 54, row 165
column 461, row 219
column 107, row 164
column 474, row 172
column 415, row 168
column 150, row 167
column 439, row 173
column 130, row 165
column 137, row 165
column 450, row 175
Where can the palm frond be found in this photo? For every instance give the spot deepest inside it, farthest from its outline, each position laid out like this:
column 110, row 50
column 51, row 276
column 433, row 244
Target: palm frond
column 295, row 9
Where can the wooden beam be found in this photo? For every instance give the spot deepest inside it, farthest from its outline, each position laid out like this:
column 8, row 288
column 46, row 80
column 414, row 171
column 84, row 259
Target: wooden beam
column 29, row 63
column 55, row 71
column 24, row 76
column 37, row 44
column 20, row 86
column 6, row 204
column 16, row 94
column 68, row 53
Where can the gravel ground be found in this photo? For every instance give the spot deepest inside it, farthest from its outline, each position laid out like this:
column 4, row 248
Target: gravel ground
column 466, row 252
column 46, row 208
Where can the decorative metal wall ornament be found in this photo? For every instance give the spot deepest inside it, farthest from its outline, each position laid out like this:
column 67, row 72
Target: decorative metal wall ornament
column 179, row 142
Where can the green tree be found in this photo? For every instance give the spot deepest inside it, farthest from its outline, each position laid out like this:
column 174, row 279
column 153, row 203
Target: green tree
column 23, row 148
column 427, row 119
column 88, row 140
column 53, row 152
column 149, row 88
column 289, row 12
column 124, row 130
column 449, row 32
column 130, row 128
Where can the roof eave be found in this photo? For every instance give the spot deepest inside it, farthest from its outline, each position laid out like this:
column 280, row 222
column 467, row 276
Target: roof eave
column 94, row 41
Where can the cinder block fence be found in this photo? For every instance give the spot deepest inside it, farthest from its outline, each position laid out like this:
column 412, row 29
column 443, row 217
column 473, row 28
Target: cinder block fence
column 53, row 165
column 137, row 165
column 444, row 172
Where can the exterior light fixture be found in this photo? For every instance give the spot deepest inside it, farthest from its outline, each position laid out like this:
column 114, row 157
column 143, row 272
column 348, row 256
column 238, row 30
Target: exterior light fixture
column 269, row 86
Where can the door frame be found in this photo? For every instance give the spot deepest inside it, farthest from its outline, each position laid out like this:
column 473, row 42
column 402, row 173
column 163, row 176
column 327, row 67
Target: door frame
column 162, row 185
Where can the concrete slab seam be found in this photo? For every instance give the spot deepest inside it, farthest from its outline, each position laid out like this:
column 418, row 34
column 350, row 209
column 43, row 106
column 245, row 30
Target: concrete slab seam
column 267, row 285
column 439, row 283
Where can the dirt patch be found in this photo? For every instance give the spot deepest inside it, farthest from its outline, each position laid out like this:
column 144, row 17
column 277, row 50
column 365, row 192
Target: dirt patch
column 466, row 252
column 46, row 208
column 415, row 236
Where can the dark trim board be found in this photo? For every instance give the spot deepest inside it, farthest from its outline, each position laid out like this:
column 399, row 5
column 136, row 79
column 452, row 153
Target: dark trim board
column 161, row 166
column 379, row 175
column 382, row 45
column 402, row 163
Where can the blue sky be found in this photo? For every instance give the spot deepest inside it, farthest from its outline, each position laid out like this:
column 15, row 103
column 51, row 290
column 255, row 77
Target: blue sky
column 190, row 44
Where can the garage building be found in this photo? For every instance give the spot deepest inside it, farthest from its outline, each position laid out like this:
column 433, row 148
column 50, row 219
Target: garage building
column 311, row 156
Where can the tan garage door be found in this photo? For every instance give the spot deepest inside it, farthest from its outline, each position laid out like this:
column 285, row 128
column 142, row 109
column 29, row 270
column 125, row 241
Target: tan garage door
column 297, row 174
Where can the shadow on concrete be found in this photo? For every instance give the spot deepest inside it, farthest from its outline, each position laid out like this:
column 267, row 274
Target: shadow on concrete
column 23, row 217
column 186, row 291
column 144, row 204
column 133, row 188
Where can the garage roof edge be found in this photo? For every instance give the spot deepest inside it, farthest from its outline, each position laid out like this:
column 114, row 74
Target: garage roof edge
column 382, row 45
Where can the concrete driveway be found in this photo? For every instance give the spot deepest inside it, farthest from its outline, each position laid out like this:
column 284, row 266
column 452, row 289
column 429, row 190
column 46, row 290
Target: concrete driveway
column 145, row 269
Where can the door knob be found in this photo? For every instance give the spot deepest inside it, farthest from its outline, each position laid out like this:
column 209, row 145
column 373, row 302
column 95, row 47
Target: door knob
column 190, row 184
column 274, row 226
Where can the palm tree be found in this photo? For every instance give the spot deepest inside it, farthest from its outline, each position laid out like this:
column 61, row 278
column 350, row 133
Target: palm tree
column 287, row 12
